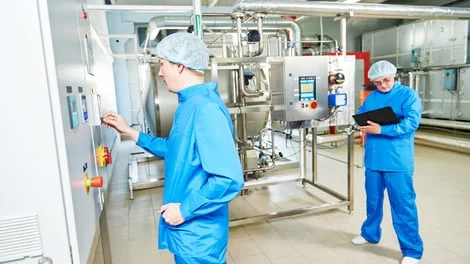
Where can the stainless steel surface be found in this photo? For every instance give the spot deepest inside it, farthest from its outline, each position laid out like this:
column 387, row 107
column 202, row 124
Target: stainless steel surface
column 445, row 123
column 334, row 9
column 351, row 168
column 196, row 17
column 443, row 141
column 287, row 213
column 439, row 102
column 145, row 171
column 285, row 74
column 218, row 23
column 343, row 37
column 438, row 42
column 302, row 175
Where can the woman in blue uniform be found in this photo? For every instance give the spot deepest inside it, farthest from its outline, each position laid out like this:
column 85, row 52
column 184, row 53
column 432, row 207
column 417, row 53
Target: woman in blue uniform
column 202, row 167
column 389, row 162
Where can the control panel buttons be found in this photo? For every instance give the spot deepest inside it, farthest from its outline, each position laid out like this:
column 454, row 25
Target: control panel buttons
column 313, row 105
column 103, row 156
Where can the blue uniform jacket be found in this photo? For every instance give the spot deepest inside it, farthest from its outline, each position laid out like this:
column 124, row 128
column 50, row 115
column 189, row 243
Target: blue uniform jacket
column 202, row 172
column 393, row 149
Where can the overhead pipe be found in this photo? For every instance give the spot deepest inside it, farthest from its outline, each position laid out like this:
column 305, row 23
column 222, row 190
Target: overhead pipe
column 269, row 23
column 164, row 9
column 334, row 9
column 343, row 31
column 141, row 8
column 197, row 18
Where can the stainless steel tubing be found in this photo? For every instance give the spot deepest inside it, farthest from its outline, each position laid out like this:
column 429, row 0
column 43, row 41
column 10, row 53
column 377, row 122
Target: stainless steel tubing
column 442, row 142
column 303, row 153
column 350, row 169
column 343, row 23
column 269, row 23
column 288, row 213
column 334, row 9
column 445, row 123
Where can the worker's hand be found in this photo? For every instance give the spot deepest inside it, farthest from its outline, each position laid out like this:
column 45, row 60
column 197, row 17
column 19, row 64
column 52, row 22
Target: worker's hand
column 114, row 120
column 372, row 128
column 171, row 213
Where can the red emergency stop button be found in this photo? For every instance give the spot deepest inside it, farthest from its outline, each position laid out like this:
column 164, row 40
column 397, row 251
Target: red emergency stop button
column 313, row 105
column 96, row 182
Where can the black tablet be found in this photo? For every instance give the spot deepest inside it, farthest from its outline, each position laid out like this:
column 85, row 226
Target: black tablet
column 382, row 116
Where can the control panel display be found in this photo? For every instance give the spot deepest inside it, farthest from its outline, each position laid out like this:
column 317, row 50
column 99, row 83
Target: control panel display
column 307, row 88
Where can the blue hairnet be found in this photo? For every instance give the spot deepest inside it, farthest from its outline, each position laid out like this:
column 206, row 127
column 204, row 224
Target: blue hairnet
column 380, row 69
column 184, row 48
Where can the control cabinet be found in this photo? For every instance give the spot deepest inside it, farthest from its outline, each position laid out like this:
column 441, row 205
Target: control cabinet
column 309, row 87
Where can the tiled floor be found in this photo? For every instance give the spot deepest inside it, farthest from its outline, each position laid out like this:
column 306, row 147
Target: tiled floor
column 442, row 182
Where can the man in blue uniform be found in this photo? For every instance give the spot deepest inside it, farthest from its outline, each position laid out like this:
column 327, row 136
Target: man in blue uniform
column 202, row 167
column 389, row 162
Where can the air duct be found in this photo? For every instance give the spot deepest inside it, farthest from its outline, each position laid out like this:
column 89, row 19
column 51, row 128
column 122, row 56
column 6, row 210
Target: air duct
column 333, row 9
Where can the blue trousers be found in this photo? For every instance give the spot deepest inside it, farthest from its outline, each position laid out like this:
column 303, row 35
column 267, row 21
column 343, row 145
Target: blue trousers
column 209, row 259
column 402, row 198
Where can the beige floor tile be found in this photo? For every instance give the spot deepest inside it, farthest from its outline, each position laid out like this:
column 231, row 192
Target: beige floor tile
column 329, row 260
column 290, row 259
column 258, row 259
column 243, row 247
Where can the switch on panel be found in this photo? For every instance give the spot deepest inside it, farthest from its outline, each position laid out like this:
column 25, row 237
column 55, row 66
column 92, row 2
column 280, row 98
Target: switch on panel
column 73, row 111
column 103, row 156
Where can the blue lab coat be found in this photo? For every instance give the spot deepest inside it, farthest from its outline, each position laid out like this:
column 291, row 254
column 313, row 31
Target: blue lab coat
column 389, row 162
column 202, row 172
column 393, row 149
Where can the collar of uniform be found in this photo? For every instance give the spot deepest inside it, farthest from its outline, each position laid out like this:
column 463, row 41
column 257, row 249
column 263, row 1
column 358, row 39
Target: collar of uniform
column 188, row 92
column 395, row 85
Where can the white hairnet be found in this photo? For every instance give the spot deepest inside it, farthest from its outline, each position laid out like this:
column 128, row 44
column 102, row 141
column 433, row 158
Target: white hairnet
column 184, row 48
column 380, row 69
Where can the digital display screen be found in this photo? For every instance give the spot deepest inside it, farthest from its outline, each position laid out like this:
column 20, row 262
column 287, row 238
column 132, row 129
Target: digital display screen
column 307, row 88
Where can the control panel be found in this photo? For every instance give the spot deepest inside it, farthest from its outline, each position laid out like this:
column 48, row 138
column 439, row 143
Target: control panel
column 316, row 88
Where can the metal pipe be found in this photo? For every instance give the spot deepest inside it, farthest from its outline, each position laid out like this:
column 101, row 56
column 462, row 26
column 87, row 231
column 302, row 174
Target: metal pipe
column 241, row 83
column 343, row 35
column 279, row 38
column 350, row 133
column 303, row 153
column 442, row 142
column 334, row 9
column 140, row 8
column 445, row 123
column 163, row 9
column 287, row 213
column 158, row 23
column 197, row 18
column 259, row 20
column 314, row 154
column 411, row 80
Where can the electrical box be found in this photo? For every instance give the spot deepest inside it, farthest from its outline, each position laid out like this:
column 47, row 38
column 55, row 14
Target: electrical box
column 449, row 80
column 302, row 89
column 415, row 56
column 339, row 99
